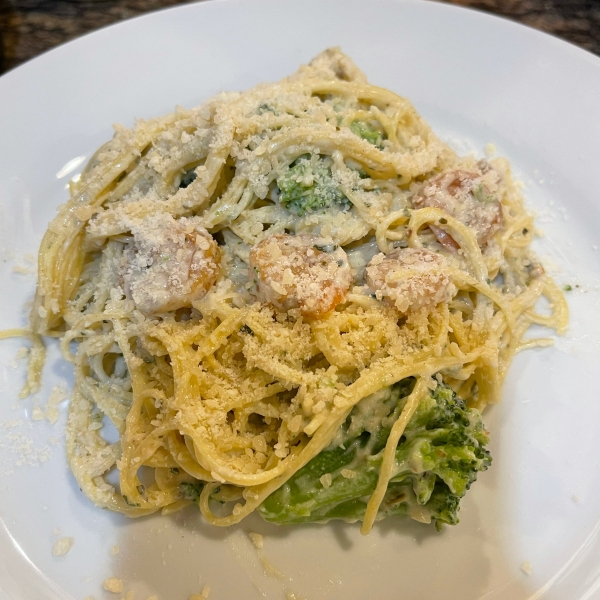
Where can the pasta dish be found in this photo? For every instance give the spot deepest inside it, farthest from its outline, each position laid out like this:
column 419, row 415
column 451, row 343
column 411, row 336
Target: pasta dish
column 294, row 299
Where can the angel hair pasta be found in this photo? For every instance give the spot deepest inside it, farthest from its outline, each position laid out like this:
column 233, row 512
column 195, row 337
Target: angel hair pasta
column 294, row 299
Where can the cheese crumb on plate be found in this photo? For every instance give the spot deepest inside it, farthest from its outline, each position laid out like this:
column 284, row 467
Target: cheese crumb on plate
column 527, row 568
column 114, row 585
column 62, row 546
column 257, row 539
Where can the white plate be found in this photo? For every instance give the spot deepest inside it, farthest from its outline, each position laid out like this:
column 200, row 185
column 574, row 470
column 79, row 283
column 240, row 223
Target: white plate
column 476, row 79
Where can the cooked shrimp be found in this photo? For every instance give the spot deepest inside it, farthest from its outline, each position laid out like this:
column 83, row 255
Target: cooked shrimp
column 410, row 278
column 170, row 264
column 467, row 196
column 301, row 271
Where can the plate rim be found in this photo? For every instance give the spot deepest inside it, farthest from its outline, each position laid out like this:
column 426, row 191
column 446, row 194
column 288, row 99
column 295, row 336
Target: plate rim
column 51, row 53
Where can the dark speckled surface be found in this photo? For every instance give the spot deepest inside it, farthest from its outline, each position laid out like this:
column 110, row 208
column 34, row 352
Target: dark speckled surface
column 29, row 27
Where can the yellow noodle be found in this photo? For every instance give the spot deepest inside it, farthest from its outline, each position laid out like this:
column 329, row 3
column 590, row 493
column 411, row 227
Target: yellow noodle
column 389, row 455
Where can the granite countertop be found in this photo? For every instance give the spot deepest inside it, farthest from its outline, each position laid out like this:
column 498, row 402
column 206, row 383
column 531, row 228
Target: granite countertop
column 30, row 27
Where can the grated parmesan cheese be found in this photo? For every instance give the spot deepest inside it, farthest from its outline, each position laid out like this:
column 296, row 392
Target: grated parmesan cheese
column 326, row 480
column 202, row 595
column 22, row 352
column 62, row 546
column 57, row 395
column 113, row 585
column 84, row 213
column 257, row 539
column 490, row 150
column 22, row 270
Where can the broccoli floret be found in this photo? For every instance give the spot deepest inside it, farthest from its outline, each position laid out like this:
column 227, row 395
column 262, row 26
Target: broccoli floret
column 308, row 186
column 438, row 458
column 366, row 131
column 444, row 505
column 190, row 491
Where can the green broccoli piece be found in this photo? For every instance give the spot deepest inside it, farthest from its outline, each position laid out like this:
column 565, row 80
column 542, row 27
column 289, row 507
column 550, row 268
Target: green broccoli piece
column 479, row 192
column 308, row 186
column 366, row 131
column 444, row 505
column 190, row 491
column 438, row 458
